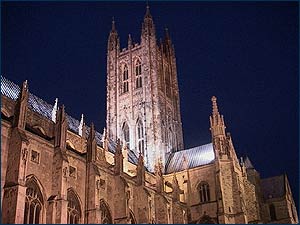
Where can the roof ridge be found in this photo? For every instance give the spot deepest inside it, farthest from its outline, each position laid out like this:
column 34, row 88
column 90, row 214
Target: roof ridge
column 40, row 106
column 210, row 143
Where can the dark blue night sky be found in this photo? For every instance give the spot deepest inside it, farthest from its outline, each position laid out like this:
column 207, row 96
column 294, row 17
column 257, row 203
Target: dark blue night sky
column 245, row 53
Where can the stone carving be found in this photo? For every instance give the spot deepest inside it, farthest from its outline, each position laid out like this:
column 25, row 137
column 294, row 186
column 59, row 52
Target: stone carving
column 65, row 172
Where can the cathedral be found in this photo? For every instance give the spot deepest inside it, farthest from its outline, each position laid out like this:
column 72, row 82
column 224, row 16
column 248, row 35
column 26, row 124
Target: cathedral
column 57, row 169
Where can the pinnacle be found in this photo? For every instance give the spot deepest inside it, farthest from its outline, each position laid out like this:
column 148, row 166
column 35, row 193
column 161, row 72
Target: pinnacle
column 113, row 26
column 147, row 15
column 214, row 105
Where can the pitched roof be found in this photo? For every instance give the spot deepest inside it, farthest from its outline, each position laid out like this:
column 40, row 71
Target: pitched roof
column 273, row 187
column 38, row 105
column 197, row 156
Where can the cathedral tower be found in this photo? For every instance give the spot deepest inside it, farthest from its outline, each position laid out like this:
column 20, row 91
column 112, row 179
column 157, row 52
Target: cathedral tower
column 143, row 107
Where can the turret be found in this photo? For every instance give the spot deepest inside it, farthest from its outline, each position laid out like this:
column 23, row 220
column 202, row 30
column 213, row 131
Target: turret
column 148, row 27
column 113, row 39
column 217, row 126
column 129, row 41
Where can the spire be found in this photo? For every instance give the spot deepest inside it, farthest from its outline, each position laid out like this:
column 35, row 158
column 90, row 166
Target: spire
column 54, row 110
column 167, row 35
column 113, row 26
column 148, row 14
column 214, row 105
column 80, row 126
column 148, row 28
column 113, row 40
column 217, row 125
column 129, row 41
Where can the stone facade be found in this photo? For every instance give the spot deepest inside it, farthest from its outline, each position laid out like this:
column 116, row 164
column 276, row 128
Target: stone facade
column 143, row 95
column 57, row 170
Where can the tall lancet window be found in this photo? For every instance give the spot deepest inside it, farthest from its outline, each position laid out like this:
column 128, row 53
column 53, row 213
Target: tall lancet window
column 168, row 81
column 204, row 192
column 105, row 213
column 125, row 131
column 140, row 137
column 74, row 212
column 33, row 204
column 138, row 74
column 125, row 79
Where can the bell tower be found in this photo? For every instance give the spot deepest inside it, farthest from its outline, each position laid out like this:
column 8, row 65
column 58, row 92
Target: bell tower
column 143, row 108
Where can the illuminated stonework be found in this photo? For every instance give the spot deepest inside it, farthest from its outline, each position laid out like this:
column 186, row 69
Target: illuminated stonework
column 56, row 169
column 142, row 90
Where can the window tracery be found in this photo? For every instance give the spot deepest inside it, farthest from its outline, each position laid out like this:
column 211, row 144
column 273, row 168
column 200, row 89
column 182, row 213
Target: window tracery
column 105, row 213
column 74, row 212
column 204, row 192
column 125, row 84
column 33, row 204
column 138, row 74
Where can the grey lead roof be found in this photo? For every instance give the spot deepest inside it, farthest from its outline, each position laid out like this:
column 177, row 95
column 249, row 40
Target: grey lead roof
column 38, row 105
column 197, row 156
column 273, row 187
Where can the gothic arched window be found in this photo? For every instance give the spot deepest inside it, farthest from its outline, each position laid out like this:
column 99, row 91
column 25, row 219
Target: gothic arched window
column 138, row 74
column 125, row 79
column 168, row 81
column 272, row 212
column 105, row 213
column 33, row 204
column 140, row 137
column 125, row 131
column 74, row 212
column 204, row 192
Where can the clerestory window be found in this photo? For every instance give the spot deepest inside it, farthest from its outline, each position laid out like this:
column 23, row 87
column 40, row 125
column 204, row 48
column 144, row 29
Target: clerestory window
column 125, row 85
column 204, row 192
column 138, row 74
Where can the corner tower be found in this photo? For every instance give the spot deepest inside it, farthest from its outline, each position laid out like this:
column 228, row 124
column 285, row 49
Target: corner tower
column 143, row 107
